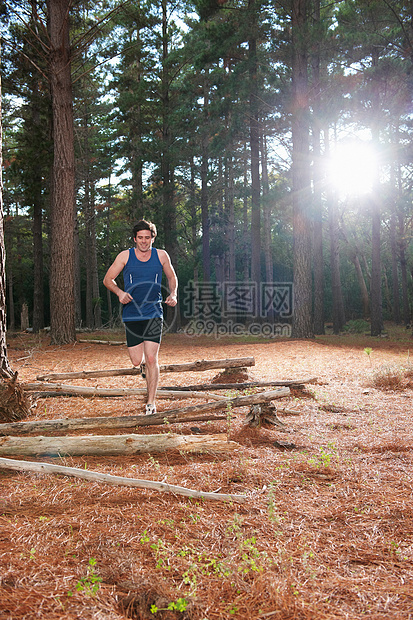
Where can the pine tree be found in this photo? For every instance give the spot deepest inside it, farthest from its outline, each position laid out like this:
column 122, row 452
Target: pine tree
column 13, row 403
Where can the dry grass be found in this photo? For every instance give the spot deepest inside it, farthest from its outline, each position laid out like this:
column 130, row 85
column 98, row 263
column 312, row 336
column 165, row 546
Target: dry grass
column 326, row 532
column 393, row 377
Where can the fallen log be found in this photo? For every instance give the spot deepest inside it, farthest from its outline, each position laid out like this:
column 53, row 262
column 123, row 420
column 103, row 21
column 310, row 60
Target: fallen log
column 241, row 386
column 289, row 411
column 195, row 413
column 84, row 474
column 60, row 389
column 67, row 425
column 113, row 445
column 115, row 372
column 90, row 341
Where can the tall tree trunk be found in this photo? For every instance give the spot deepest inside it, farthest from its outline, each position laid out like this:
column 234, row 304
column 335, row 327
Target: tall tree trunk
column 255, row 155
column 167, row 167
column 266, row 234
column 362, row 284
column 219, row 222
column 37, row 229
column 93, row 307
column 230, row 216
column 62, row 299
column 5, row 369
column 337, row 293
column 405, row 293
column 78, row 288
column 375, row 289
column 375, row 205
column 206, row 252
column 93, row 313
column 38, row 294
column 354, row 257
column 97, row 308
column 318, row 259
column 394, row 270
column 87, row 214
column 245, row 222
column 8, row 238
column 395, row 183
column 193, row 220
column 136, row 139
column 301, row 194
column 107, row 247
column 169, row 214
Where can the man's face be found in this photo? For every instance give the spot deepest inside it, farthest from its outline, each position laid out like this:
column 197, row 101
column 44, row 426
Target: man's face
column 144, row 240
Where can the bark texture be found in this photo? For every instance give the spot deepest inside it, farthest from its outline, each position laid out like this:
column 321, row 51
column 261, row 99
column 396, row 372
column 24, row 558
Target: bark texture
column 112, row 445
column 62, row 298
column 301, row 195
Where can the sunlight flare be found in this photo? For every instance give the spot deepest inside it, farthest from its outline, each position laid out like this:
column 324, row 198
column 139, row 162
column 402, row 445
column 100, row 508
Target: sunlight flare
column 352, row 168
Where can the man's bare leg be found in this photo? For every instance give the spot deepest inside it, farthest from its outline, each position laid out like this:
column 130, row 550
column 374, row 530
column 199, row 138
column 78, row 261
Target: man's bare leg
column 136, row 354
column 151, row 350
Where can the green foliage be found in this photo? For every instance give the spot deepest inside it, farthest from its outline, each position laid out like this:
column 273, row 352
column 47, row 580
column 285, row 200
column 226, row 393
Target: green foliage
column 180, row 605
column 89, row 584
column 357, row 326
column 326, row 457
column 151, row 105
column 368, row 351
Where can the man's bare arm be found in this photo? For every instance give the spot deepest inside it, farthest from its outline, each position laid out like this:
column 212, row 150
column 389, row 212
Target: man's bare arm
column 170, row 274
column 112, row 273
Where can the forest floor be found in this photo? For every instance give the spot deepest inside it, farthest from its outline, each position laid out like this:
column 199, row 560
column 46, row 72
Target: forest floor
column 326, row 531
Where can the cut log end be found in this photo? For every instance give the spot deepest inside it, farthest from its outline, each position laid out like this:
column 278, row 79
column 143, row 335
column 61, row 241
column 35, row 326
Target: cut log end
column 263, row 413
column 231, row 375
column 14, row 404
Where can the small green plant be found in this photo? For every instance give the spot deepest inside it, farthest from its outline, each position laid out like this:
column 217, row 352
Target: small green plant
column 325, row 458
column 161, row 554
column 145, row 537
column 394, row 549
column 180, row 605
column 190, row 579
column 235, row 526
column 272, row 508
column 90, row 583
column 31, row 555
column 195, row 518
column 155, row 464
column 251, row 557
column 168, row 522
column 368, row 351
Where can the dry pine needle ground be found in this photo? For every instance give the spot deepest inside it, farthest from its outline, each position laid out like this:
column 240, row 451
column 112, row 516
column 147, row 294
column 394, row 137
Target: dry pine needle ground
column 326, row 531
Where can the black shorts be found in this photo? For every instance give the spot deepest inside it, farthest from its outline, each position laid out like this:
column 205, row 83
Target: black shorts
column 139, row 331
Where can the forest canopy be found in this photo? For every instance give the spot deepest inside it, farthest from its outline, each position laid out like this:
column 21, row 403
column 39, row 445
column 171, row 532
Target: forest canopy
column 270, row 142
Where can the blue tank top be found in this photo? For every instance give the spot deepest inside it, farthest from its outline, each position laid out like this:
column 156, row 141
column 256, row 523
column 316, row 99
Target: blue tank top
column 143, row 280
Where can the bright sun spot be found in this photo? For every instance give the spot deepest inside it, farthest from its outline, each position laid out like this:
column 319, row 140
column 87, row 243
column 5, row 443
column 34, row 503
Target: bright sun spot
column 352, row 168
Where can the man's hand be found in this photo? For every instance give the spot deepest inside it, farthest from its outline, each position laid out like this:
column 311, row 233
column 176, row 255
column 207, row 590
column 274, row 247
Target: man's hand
column 171, row 300
column 124, row 297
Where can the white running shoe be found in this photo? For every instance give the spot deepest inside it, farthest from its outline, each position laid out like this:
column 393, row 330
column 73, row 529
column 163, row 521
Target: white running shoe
column 150, row 409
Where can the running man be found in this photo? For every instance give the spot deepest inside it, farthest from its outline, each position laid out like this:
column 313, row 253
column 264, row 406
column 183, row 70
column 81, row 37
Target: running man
column 142, row 314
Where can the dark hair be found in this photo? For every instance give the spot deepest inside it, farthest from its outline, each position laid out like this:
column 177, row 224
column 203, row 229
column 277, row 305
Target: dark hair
column 144, row 225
